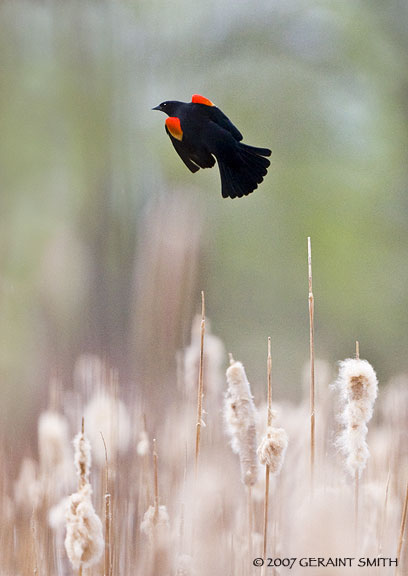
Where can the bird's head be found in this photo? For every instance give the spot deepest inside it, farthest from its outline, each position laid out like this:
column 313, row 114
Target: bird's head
column 169, row 107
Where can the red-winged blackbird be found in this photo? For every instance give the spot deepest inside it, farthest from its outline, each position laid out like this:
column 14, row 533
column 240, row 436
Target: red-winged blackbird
column 199, row 131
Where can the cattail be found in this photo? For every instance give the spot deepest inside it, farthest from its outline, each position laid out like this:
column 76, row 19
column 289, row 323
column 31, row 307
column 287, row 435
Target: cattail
column 107, row 414
column 155, row 524
column 240, row 419
column 143, row 445
column 53, row 441
column 56, row 477
column 82, row 458
column 84, row 540
column 358, row 386
column 57, row 514
column 185, row 565
column 27, row 486
column 272, row 449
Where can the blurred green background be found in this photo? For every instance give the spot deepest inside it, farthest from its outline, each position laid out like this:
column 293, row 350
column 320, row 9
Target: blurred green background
column 106, row 239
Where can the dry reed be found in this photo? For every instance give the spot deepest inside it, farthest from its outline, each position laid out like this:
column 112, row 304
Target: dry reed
column 311, row 360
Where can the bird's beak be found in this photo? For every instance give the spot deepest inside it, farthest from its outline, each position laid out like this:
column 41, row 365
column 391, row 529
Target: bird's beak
column 156, row 107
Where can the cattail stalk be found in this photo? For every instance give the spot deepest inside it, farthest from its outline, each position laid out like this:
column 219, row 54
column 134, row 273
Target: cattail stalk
column 200, row 383
column 156, row 481
column 35, row 540
column 381, row 525
column 269, row 424
column 108, row 517
column 402, row 529
column 312, row 367
column 155, row 525
column 356, row 474
column 272, row 449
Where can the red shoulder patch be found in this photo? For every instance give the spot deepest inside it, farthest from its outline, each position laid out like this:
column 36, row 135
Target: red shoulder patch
column 197, row 99
column 174, row 127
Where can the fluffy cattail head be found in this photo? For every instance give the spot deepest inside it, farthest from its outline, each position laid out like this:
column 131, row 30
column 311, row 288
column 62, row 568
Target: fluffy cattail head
column 358, row 387
column 27, row 487
column 53, row 441
column 143, row 445
column 358, row 383
column 272, row 449
column 155, row 524
column 107, row 414
column 84, row 540
column 82, row 457
column 240, row 419
column 185, row 566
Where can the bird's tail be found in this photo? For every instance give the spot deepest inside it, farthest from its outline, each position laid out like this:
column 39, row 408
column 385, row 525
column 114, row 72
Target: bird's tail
column 242, row 169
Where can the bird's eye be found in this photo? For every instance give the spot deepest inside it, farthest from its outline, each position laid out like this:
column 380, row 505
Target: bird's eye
column 164, row 105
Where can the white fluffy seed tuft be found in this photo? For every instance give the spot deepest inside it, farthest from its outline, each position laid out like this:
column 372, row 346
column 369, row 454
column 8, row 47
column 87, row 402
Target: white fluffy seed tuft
column 240, row 418
column 185, row 565
column 155, row 526
column 82, row 457
column 272, row 449
column 358, row 387
column 143, row 446
column 84, row 540
column 107, row 414
column 53, row 441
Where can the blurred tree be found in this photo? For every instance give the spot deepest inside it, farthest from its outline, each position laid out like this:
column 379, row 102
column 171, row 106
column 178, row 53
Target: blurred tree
column 81, row 157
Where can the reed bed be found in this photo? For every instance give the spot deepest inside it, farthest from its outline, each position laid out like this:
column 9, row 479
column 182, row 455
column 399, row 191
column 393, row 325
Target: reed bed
column 214, row 478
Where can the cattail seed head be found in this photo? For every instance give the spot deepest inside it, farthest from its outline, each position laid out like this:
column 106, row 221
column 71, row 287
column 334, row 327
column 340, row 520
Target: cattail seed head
column 272, row 449
column 143, row 446
column 27, row 488
column 107, row 414
column 358, row 387
column 84, row 540
column 82, row 457
column 155, row 525
column 53, row 441
column 240, row 418
column 185, row 565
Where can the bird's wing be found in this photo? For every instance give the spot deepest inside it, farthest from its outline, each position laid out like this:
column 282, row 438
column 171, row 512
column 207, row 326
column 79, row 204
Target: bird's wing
column 222, row 120
column 181, row 151
column 217, row 116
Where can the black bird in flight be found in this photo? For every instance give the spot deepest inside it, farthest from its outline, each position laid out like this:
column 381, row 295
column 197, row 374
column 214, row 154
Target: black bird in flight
column 199, row 131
